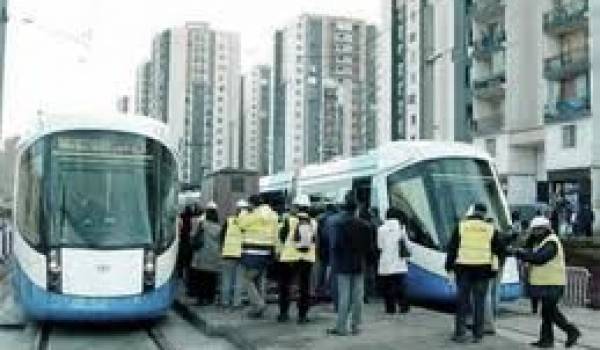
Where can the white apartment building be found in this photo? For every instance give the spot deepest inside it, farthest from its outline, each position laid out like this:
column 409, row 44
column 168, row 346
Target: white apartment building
column 143, row 86
column 256, row 119
column 195, row 89
column 423, row 87
column 535, row 105
column 319, row 58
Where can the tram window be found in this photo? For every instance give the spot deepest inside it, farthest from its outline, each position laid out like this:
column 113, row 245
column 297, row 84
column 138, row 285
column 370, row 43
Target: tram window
column 411, row 200
column 434, row 195
column 168, row 200
column 29, row 200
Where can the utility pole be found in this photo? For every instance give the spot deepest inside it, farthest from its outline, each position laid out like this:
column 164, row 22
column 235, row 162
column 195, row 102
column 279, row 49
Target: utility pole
column 3, row 25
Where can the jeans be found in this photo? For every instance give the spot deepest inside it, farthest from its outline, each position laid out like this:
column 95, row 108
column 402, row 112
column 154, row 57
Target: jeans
column 253, row 279
column 287, row 272
column 350, row 301
column 551, row 316
column 231, row 283
column 321, row 280
column 471, row 293
column 394, row 292
column 491, row 305
column 333, row 288
column 370, row 281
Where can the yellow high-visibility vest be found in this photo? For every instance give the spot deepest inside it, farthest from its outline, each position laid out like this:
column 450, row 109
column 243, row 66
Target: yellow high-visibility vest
column 289, row 251
column 232, row 244
column 552, row 273
column 475, row 242
column 259, row 228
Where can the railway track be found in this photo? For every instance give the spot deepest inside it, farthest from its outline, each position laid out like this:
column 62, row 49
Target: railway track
column 173, row 332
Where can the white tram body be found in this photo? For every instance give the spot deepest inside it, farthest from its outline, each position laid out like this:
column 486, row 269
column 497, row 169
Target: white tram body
column 433, row 183
column 95, row 218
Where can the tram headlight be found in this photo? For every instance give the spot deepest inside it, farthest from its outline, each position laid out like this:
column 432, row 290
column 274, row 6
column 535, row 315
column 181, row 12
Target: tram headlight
column 54, row 271
column 149, row 270
column 54, row 262
column 149, row 262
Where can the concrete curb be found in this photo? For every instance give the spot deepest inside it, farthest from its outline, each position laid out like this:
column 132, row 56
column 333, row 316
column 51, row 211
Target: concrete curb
column 231, row 334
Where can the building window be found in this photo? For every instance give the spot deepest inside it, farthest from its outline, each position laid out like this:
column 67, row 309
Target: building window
column 413, row 16
column 569, row 136
column 490, row 146
column 412, row 37
column 412, row 99
column 237, row 184
column 413, row 119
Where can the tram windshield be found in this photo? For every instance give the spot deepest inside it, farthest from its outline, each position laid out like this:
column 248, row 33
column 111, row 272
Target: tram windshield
column 99, row 189
column 434, row 195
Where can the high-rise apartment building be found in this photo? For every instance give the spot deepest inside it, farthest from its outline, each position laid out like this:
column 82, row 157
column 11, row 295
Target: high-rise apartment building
column 143, row 88
column 423, row 88
column 256, row 119
column 320, row 90
column 535, row 103
column 123, row 104
column 507, row 91
column 195, row 89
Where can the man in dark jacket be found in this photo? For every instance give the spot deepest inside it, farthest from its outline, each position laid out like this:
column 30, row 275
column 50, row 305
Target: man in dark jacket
column 470, row 256
column 351, row 249
column 323, row 248
column 547, row 281
column 585, row 220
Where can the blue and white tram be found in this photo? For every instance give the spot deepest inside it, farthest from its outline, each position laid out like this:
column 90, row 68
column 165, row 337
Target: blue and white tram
column 432, row 183
column 95, row 215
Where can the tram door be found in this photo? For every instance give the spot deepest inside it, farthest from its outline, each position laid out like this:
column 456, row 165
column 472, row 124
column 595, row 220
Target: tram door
column 361, row 187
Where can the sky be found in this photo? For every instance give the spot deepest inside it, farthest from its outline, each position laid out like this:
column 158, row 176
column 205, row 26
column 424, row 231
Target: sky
column 78, row 56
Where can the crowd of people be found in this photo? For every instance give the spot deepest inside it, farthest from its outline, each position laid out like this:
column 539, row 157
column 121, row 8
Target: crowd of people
column 344, row 252
column 339, row 254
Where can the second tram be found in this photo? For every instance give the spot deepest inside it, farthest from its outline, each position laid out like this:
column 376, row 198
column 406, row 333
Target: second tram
column 432, row 183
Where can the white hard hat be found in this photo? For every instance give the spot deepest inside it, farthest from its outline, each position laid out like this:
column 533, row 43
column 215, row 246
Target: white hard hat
column 242, row 204
column 211, row 205
column 301, row 200
column 540, row 221
column 470, row 210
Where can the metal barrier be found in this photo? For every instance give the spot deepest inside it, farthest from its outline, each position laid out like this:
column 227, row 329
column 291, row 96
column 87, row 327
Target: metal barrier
column 577, row 291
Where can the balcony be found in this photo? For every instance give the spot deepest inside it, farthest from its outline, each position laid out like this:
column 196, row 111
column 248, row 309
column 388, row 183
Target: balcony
column 491, row 88
column 485, row 11
column 488, row 125
column 568, row 64
column 488, row 45
column 566, row 18
column 567, row 110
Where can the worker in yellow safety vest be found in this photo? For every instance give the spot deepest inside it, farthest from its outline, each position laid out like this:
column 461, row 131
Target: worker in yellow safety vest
column 547, row 281
column 258, row 230
column 470, row 257
column 297, row 239
column 231, row 273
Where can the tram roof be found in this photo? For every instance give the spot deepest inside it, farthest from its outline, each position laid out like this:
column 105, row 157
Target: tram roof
column 388, row 156
column 139, row 125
